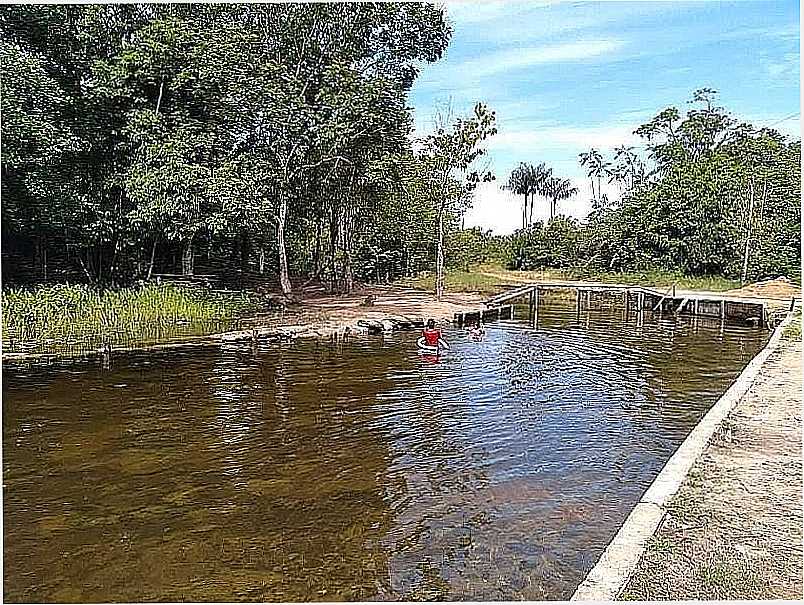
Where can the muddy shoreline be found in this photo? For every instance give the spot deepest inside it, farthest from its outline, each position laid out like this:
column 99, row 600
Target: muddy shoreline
column 393, row 308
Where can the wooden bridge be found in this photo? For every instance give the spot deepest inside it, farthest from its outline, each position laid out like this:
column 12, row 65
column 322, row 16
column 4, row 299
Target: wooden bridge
column 640, row 300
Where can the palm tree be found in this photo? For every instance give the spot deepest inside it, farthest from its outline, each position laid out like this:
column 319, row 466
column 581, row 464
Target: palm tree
column 537, row 178
column 558, row 189
column 596, row 168
column 630, row 164
column 518, row 184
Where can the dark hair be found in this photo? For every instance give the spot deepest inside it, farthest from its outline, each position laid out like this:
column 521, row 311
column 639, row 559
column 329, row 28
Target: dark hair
column 430, row 324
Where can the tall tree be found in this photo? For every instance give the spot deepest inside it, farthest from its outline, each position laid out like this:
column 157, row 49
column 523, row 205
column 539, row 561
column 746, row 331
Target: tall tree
column 449, row 156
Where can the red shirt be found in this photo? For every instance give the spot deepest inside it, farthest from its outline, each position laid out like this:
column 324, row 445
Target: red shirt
column 431, row 337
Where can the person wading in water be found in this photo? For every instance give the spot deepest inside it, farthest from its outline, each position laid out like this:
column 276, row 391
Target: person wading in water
column 432, row 336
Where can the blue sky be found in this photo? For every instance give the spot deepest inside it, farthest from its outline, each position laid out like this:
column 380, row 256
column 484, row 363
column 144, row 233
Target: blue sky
column 566, row 76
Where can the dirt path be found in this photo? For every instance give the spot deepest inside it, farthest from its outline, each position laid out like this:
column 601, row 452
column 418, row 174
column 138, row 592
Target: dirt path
column 390, row 301
column 734, row 530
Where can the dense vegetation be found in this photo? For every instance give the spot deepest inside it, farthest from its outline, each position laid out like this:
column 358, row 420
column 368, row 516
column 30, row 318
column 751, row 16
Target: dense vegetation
column 275, row 141
column 713, row 197
column 77, row 317
column 226, row 138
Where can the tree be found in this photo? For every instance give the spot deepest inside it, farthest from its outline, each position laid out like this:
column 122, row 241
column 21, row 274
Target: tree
column 558, row 189
column 449, row 155
column 597, row 168
column 519, row 184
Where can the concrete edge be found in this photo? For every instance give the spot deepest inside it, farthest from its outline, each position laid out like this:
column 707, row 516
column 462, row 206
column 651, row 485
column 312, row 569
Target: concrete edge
column 610, row 575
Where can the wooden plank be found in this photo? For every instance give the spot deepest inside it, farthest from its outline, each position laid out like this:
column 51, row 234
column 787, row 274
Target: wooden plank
column 663, row 296
column 681, row 306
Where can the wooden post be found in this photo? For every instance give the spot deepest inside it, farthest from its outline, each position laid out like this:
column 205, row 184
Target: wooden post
column 722, row 310
column 536, row 307
column 626, row 301
column 578, row 302
column 792, row 303
column 530, row 305
column 640, row 308
column 695, row 308
column 674, row 290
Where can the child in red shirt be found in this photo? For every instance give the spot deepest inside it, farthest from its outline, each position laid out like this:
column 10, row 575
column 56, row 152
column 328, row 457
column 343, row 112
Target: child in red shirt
column 432, row 336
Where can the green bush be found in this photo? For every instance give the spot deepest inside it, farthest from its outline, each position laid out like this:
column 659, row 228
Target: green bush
column 70, row 317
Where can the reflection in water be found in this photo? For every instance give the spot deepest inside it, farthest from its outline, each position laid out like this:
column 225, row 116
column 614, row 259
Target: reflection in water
column 358, row 470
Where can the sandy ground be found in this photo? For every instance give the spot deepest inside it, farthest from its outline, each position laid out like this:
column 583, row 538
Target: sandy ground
column 388, row 301
column 734, row 531
column 779, row 288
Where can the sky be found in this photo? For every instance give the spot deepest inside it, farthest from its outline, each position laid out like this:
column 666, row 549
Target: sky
column 566, row 76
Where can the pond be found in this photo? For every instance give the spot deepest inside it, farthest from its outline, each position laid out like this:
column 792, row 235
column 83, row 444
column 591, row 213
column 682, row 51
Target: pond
column 323, row 470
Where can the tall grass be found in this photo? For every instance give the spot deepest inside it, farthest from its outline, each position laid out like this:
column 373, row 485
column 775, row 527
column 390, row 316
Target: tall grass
column 75, row 318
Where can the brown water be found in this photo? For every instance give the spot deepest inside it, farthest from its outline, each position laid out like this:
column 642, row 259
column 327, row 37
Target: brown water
column 350, row 470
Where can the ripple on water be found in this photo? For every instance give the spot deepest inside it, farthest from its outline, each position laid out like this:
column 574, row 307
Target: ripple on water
column 357, row 470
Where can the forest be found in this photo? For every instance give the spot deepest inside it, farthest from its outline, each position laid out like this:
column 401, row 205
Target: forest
column 274, row 143
column 711, row 196
column 243, row 140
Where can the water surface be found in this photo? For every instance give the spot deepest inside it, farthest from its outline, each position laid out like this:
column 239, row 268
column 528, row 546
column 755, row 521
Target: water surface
column 359, row 470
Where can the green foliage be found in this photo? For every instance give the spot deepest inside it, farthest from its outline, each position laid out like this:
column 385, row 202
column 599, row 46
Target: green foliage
column 138, row 137
column 79, row 317
column 723, row 199
column 470, row 247
column 557, row 244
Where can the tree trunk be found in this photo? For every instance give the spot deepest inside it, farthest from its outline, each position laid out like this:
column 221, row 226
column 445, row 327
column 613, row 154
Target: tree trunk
column 187, row 258
column 317, row 251
column 439, row 285
column 262, row 260
column 525, row 212
column 532, row 204
column 748, row 234
column 284, row 280
column 346, row 248
column 333, row 244
column 151, row 264
column 161, row 90
column 245, row 251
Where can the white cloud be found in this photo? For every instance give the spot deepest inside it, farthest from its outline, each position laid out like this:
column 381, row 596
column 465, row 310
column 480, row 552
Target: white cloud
column 495, row 209
column 519, row 58
column 501, row 211
column 603, row 137
column 472, row 11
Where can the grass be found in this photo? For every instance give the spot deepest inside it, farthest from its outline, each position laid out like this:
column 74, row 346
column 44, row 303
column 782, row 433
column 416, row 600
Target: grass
column 793, row 330
column 489, row 279
column 78, row 318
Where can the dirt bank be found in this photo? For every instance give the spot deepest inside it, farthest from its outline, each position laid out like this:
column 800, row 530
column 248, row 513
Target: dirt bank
column 780, row 288
column 734, row 530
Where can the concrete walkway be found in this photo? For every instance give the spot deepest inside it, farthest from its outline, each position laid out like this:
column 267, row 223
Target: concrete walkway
column 734, row 529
